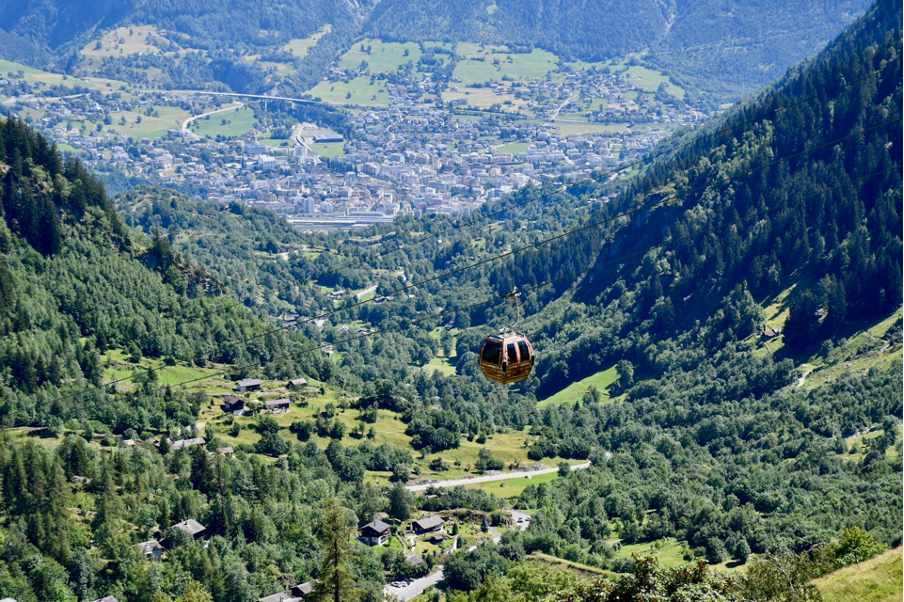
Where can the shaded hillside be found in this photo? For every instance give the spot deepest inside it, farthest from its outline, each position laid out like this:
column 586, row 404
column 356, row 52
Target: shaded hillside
column 726, row 49
column 844, row 245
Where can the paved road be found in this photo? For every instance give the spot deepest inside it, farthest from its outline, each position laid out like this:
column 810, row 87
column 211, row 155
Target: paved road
column 415, row 588
column 491, row 478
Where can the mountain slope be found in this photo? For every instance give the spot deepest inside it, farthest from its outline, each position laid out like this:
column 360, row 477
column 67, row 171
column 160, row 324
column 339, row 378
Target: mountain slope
column 74, row 286
column 725, row 49
column 843, row 246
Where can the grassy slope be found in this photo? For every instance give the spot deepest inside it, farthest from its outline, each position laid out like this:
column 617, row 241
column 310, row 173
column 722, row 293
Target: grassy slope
column 876, row 580
column 575, row 391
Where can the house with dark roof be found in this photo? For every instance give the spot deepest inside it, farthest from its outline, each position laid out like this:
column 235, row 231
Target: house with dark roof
column 248, row 384
column 233, row 405
column 277, row 406
column 414, row 560
column 152, row 549
column 428, row 525
column 192, row 527
column 375, row 533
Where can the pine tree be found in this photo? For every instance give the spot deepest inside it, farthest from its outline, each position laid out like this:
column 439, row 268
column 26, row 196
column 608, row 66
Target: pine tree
column 336, row 582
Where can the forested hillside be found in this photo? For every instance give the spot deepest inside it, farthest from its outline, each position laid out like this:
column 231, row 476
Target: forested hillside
column 726, row 49
column 74, row 286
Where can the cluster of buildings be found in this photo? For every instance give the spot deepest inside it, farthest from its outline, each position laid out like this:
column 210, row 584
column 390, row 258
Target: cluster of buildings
column 405, row 158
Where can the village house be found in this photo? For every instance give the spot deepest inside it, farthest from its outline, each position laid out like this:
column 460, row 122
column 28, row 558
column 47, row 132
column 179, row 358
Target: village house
column 279, row 597
column 104, row 599
column 233, row 405
column 248, row 384
column 151, row 549
column 192, row 527
column 183, row 443
column 302, row 590
column 297, row 383
column 375, row 533
column 277, row 406
column 430, row 524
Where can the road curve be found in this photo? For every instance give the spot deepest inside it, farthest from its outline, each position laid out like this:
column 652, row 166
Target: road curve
column 188, row 121
column 491, row 478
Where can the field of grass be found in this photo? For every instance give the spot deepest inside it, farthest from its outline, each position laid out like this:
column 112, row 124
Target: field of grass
column 301, row 47
column 485, row 98
column 123, row 41
column 384, row 57
column 669, row 551
column 519, row 67
column 513, row 147
column 569, row 129
column 876, row 580
column 169, row 118
column 358, row 91
column 117, row 366
column 507, row 447
column 238, row 123
column 31, row 75
column 328, row 150
column 575, row 391
column 440, row 364
column 649, row 80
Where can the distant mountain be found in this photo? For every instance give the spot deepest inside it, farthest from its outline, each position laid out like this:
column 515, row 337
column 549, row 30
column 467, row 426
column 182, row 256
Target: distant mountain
column 727, row 48
column 51, row 32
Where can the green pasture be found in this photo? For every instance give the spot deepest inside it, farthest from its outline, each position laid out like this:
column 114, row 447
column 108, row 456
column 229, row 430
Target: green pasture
column 575, row 391
column 358, row 91
column 301, row 47
column 519, row 67
column 384, row 57
column 238, row 123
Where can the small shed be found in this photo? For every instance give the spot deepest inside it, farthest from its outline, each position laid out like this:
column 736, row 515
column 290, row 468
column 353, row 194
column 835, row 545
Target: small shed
column 234, row 405
column 302, row 590
column 297, row 383
column 183, row 443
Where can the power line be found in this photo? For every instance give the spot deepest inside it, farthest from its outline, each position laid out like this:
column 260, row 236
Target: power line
column 537, row 244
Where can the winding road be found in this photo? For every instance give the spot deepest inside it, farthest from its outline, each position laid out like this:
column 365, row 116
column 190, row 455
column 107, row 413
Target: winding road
column 188, row 121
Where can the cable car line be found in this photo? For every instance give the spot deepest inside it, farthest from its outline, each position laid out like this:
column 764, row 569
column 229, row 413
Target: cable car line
column 496, row 300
